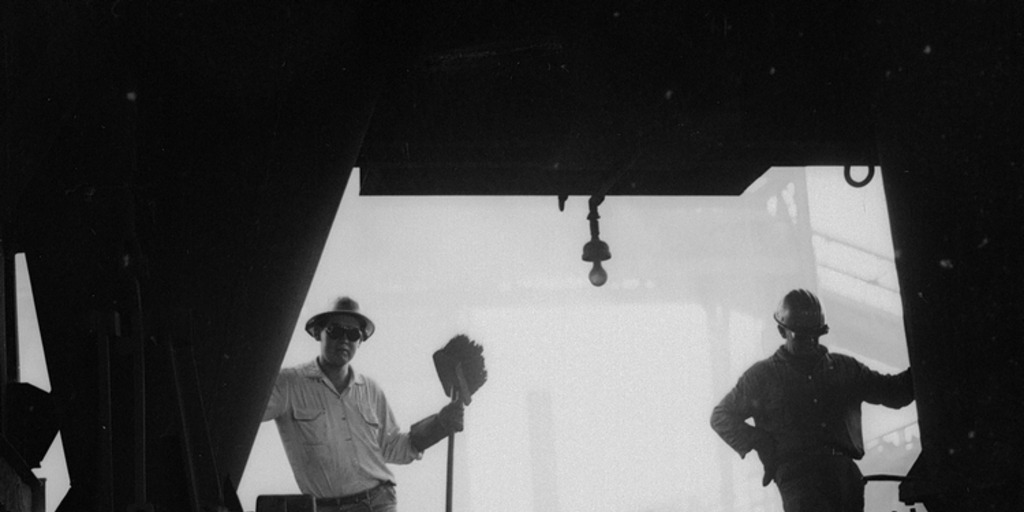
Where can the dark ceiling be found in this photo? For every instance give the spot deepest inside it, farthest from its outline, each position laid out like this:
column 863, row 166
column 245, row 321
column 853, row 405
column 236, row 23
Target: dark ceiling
column 630, row 98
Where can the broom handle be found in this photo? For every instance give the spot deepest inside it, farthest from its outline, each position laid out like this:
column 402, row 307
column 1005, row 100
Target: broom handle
column 451, row 462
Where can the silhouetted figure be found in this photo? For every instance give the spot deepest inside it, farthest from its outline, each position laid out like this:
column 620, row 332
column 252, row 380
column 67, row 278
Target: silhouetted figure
column 805, row 403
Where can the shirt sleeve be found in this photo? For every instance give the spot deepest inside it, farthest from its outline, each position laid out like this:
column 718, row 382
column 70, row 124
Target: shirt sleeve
column 729, row 417
column 278, row 402
column 894, row 391
column 394, row 444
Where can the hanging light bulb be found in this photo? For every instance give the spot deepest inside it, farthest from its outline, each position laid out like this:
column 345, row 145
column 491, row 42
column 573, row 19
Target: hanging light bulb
column 596, row 250
column 597, row 275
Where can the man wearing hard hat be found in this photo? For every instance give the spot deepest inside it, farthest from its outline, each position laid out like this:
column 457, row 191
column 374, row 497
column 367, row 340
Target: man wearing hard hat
column 805, row 402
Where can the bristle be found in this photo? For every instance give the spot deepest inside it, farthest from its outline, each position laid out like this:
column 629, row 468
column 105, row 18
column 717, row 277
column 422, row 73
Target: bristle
column 470, row 355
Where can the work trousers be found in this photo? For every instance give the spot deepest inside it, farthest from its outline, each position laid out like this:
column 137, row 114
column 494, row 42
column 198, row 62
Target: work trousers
column 385, row 500
column 825, row 483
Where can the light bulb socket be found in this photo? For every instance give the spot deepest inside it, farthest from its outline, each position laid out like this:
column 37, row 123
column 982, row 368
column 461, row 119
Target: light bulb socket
column 596, row 250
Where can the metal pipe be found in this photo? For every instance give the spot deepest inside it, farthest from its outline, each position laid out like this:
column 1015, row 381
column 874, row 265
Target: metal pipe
column 139, row 381
column 4, row 351
column 11, row 318
column 103, row 325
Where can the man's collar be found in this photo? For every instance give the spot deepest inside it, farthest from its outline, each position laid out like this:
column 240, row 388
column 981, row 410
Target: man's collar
column 783, row 354
column 312, row 370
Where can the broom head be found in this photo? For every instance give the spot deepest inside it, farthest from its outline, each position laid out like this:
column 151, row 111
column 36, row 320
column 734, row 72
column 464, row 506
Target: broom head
column 460, row 366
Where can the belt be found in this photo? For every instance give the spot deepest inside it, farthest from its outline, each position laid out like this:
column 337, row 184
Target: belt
column 352, row 499
column 812, row 452
column 829, row 450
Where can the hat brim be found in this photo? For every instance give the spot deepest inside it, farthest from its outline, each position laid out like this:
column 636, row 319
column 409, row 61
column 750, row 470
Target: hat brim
column 320, row 318
column 806, row 330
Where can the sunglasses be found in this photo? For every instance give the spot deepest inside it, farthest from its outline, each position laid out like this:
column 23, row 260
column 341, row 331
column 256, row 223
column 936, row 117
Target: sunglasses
column 344, row 332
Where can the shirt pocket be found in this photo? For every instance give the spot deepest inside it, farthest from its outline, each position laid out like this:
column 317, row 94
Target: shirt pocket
column 369, row 415
column 371, row 419
column 311, row 424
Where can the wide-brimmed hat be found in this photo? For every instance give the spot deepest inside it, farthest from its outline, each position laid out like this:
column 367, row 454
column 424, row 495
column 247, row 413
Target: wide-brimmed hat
column 342, row 306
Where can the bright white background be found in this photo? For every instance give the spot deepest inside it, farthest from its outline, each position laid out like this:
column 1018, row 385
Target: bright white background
column 598, row 398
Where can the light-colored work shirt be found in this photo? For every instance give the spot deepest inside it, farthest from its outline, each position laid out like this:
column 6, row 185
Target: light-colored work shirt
column 337, row 443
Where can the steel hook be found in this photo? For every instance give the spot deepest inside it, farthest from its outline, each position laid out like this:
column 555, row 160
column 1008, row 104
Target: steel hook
column 858, row 184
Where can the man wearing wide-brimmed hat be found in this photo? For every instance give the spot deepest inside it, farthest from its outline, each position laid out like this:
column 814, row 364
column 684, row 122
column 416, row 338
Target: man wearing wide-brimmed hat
column 335, row 423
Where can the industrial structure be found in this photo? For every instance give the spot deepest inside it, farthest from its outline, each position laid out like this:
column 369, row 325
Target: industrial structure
column 171, row 169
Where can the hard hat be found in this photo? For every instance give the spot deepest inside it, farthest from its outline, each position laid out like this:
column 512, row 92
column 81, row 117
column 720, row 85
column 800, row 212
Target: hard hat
column 800, row 311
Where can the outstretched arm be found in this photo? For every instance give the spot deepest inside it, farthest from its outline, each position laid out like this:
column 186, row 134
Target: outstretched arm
column 894, row 391
column 428, row 431
column 396, row 446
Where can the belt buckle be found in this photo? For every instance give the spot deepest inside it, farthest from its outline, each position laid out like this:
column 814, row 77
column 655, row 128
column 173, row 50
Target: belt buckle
column 361, row 496
column 344, row 501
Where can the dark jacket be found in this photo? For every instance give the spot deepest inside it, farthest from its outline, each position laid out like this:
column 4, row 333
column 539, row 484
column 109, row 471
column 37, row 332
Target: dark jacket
column 802, row 408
